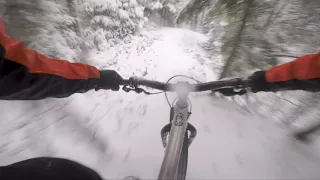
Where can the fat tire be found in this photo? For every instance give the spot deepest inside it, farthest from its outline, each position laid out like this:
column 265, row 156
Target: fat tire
column 183, row 162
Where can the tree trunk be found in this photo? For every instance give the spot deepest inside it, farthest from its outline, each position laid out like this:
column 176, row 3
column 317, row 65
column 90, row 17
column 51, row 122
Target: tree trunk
column 237, row 40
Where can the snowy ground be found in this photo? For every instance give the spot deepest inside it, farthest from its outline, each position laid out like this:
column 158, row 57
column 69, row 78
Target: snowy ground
column 118, row 133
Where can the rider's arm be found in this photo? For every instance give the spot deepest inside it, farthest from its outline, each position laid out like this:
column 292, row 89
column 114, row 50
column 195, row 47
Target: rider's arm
column 300, row 74
column 28, row 75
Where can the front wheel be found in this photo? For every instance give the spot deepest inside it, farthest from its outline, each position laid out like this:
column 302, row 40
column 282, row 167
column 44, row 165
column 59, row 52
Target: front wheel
column 183, row 162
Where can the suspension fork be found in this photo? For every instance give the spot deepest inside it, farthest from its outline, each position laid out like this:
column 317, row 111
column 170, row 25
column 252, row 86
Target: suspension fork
column 176, row 139
column 192, row 131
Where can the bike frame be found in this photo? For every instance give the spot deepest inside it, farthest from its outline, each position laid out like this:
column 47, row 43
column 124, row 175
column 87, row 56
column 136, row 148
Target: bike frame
column 179, row 115
column 177, row 132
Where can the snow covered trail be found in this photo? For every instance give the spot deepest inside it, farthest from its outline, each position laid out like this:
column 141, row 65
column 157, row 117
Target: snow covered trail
column 118, row 133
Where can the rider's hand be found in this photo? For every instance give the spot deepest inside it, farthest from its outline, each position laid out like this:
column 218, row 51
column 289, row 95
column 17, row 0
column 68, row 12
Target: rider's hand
column 259, row 82
column 109, row 79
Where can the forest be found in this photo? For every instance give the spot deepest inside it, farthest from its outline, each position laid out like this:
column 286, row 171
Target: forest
column 243, row 36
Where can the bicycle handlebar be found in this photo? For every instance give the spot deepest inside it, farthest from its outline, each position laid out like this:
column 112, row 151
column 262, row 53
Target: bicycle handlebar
column 134, row 82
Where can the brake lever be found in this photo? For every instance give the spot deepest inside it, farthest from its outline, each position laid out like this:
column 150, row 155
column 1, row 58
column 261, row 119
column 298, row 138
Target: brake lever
column 136, row 89
column 239, row 82
column 230, row 91
column 126, row 89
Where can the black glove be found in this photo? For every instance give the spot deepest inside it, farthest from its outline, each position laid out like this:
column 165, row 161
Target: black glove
column 109, row 79
column 259, row 82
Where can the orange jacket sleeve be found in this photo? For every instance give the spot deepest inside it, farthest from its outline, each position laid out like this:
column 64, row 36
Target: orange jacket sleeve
column 28, row 75
column 300, row 74
column 304, row 68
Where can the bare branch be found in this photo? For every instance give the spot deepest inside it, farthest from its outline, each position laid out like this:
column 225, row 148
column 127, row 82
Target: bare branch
column 274, row 14
column 285, row 55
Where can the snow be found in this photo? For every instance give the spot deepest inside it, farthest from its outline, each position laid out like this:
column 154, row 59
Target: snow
column 156, row 5
column 123, row 15
column 118, row 133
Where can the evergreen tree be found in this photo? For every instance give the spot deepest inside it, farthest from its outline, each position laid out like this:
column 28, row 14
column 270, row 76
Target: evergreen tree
column 243, row 47
column 106, row 22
